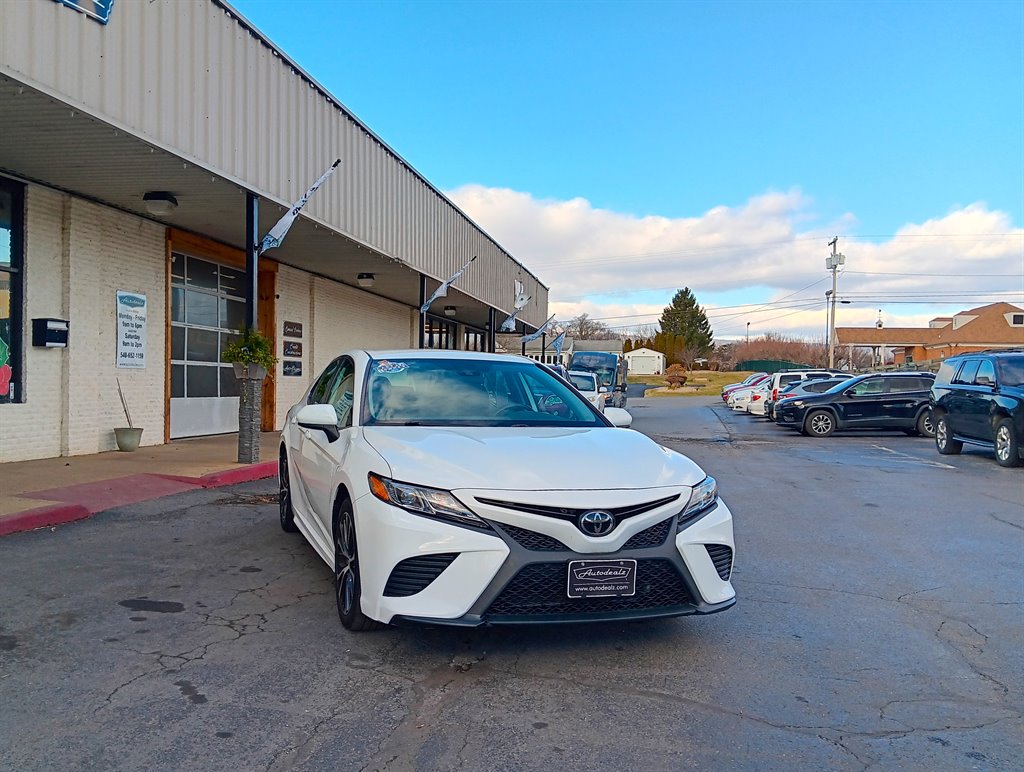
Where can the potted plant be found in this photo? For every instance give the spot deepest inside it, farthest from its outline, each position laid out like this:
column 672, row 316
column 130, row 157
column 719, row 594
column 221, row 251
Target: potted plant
column 252, row 355
column 126, row 437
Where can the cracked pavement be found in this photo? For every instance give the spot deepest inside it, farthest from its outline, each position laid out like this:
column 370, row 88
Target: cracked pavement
column 879, row 625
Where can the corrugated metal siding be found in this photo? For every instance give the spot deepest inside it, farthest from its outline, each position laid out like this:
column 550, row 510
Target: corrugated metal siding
column 190, row 77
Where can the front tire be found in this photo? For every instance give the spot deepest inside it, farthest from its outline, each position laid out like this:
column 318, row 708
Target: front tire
column 819, row 423
column 944, row 442
column 347, row 586
column 1007, row 450
column 284, row 495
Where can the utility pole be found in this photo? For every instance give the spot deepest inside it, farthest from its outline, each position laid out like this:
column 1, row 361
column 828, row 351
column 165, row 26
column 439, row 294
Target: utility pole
column 748, row 332
column 832, row 263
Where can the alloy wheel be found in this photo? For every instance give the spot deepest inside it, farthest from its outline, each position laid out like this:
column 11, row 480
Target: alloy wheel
column 821, row 424
column 345, row 563
column 1003, row 443
column 284, row 496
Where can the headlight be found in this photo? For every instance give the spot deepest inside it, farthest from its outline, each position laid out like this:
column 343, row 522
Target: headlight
column 797, row 403
column 704, row 496
column 431, row 502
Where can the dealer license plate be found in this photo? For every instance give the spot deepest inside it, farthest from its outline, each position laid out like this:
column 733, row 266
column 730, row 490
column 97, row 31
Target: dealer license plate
column 602, row 578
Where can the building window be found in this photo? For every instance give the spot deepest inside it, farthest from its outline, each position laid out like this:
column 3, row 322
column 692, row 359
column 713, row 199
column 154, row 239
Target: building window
column 439, row 333
column 12, row 278
column 1018, row 320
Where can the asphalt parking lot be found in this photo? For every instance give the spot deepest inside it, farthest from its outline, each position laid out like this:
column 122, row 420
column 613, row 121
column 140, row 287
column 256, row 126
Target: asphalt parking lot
column 879, row 623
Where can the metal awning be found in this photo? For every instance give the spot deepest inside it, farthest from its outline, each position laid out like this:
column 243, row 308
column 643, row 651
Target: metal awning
column 55, row 144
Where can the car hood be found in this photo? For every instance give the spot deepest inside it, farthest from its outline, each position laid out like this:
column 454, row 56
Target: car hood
column 539, row 458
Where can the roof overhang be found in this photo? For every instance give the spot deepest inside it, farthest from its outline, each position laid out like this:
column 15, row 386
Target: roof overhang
column 52, row 143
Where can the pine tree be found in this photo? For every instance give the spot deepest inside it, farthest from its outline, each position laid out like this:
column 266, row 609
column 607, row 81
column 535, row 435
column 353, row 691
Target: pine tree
column 686, row 321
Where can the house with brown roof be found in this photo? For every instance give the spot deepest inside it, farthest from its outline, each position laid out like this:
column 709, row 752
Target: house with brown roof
column 997, row 325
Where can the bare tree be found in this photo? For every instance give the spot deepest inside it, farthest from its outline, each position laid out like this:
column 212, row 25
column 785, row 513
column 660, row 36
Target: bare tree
column 585, row 328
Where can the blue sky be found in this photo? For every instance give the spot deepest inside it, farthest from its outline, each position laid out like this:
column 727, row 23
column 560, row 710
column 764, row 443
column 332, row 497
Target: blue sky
column 859, row 118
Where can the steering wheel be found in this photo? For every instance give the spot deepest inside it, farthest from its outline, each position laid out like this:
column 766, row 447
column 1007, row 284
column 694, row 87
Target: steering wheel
column 512, row 408
column 553, row 404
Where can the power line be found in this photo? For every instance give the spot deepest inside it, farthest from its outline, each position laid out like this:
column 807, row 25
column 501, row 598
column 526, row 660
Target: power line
column 946, row 275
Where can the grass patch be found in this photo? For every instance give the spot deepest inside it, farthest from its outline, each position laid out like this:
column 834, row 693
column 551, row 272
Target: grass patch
column 699, row 383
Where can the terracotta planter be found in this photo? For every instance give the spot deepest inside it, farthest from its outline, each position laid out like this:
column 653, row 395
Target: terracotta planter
column 244, row 372
column 128, row 438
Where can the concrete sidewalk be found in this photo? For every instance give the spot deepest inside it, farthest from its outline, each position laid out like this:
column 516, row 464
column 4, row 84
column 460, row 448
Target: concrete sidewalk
column 52, row 491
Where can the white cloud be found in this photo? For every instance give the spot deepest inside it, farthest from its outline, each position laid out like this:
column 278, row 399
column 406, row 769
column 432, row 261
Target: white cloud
column 590, row 257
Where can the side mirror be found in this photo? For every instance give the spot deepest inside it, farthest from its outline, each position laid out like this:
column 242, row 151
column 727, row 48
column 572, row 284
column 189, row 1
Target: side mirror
column 602, row 389
column 320, row 417
column 620, row 418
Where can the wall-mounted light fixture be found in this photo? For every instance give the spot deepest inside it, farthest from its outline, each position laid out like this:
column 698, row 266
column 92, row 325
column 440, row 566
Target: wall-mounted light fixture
column 159, row 203
column 449, row 310
column 365, row 279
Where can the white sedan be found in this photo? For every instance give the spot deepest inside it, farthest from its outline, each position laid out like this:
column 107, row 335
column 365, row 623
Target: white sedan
column 460, row 488
column 588, row 386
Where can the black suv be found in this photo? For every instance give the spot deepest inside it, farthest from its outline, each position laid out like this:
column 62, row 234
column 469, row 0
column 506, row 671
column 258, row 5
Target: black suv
column 979, row 398
column 872, row 401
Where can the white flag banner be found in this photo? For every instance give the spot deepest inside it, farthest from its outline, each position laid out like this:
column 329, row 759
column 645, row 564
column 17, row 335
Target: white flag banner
column 538, row 333
column 280, row 230
column 557, row 344
column 442, row 291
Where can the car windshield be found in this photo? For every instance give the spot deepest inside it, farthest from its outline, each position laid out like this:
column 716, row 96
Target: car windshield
column 1011, row 372
column 583, row 382
column 470, row 392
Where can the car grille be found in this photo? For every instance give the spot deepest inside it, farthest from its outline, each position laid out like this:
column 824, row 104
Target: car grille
column 414, row 575
column 569, row 513
column 538, row 542
column 532, row 540
column 540, row 589
column 721, row 556
column 651, row 537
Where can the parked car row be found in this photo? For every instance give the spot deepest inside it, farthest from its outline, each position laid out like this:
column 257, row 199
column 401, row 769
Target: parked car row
column 976, row 399
column 819, row 403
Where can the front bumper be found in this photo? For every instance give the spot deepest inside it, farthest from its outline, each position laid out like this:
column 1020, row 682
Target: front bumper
column 517, row 573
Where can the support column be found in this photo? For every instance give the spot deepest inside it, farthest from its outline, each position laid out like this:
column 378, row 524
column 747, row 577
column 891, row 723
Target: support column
column 252, row 242
column 423, row 299
column 491, row 320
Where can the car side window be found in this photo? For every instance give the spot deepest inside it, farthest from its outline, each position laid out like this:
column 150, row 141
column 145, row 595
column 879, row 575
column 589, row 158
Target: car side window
column 341, row 395
column 986, row 375
column 318, row 394
column 901, row 385
column 967, row 371
column 870, row 386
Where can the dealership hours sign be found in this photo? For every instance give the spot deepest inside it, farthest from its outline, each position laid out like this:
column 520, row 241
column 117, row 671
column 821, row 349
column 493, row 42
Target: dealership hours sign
column 131, row 329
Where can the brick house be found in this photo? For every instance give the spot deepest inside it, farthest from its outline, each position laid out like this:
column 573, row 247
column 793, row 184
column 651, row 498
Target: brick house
column 997, row 325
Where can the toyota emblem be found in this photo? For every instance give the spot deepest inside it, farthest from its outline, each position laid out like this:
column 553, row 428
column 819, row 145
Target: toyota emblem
column 596, row 523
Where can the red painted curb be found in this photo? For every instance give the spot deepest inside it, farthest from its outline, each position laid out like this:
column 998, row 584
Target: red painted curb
column 242, row 474
column 58, row 514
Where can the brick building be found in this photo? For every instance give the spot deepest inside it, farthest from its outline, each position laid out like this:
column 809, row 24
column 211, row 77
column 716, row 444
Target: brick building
column 998, row 325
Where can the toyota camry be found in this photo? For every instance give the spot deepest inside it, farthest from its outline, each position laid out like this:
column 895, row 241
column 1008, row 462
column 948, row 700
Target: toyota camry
column 466, row 489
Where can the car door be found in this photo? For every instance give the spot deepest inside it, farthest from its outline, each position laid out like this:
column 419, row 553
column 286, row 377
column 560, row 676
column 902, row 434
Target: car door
column 899, row 408
column 321, row 458
column 961, row 401
column 981, row 402
column 862, row 403
column 317, row 395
